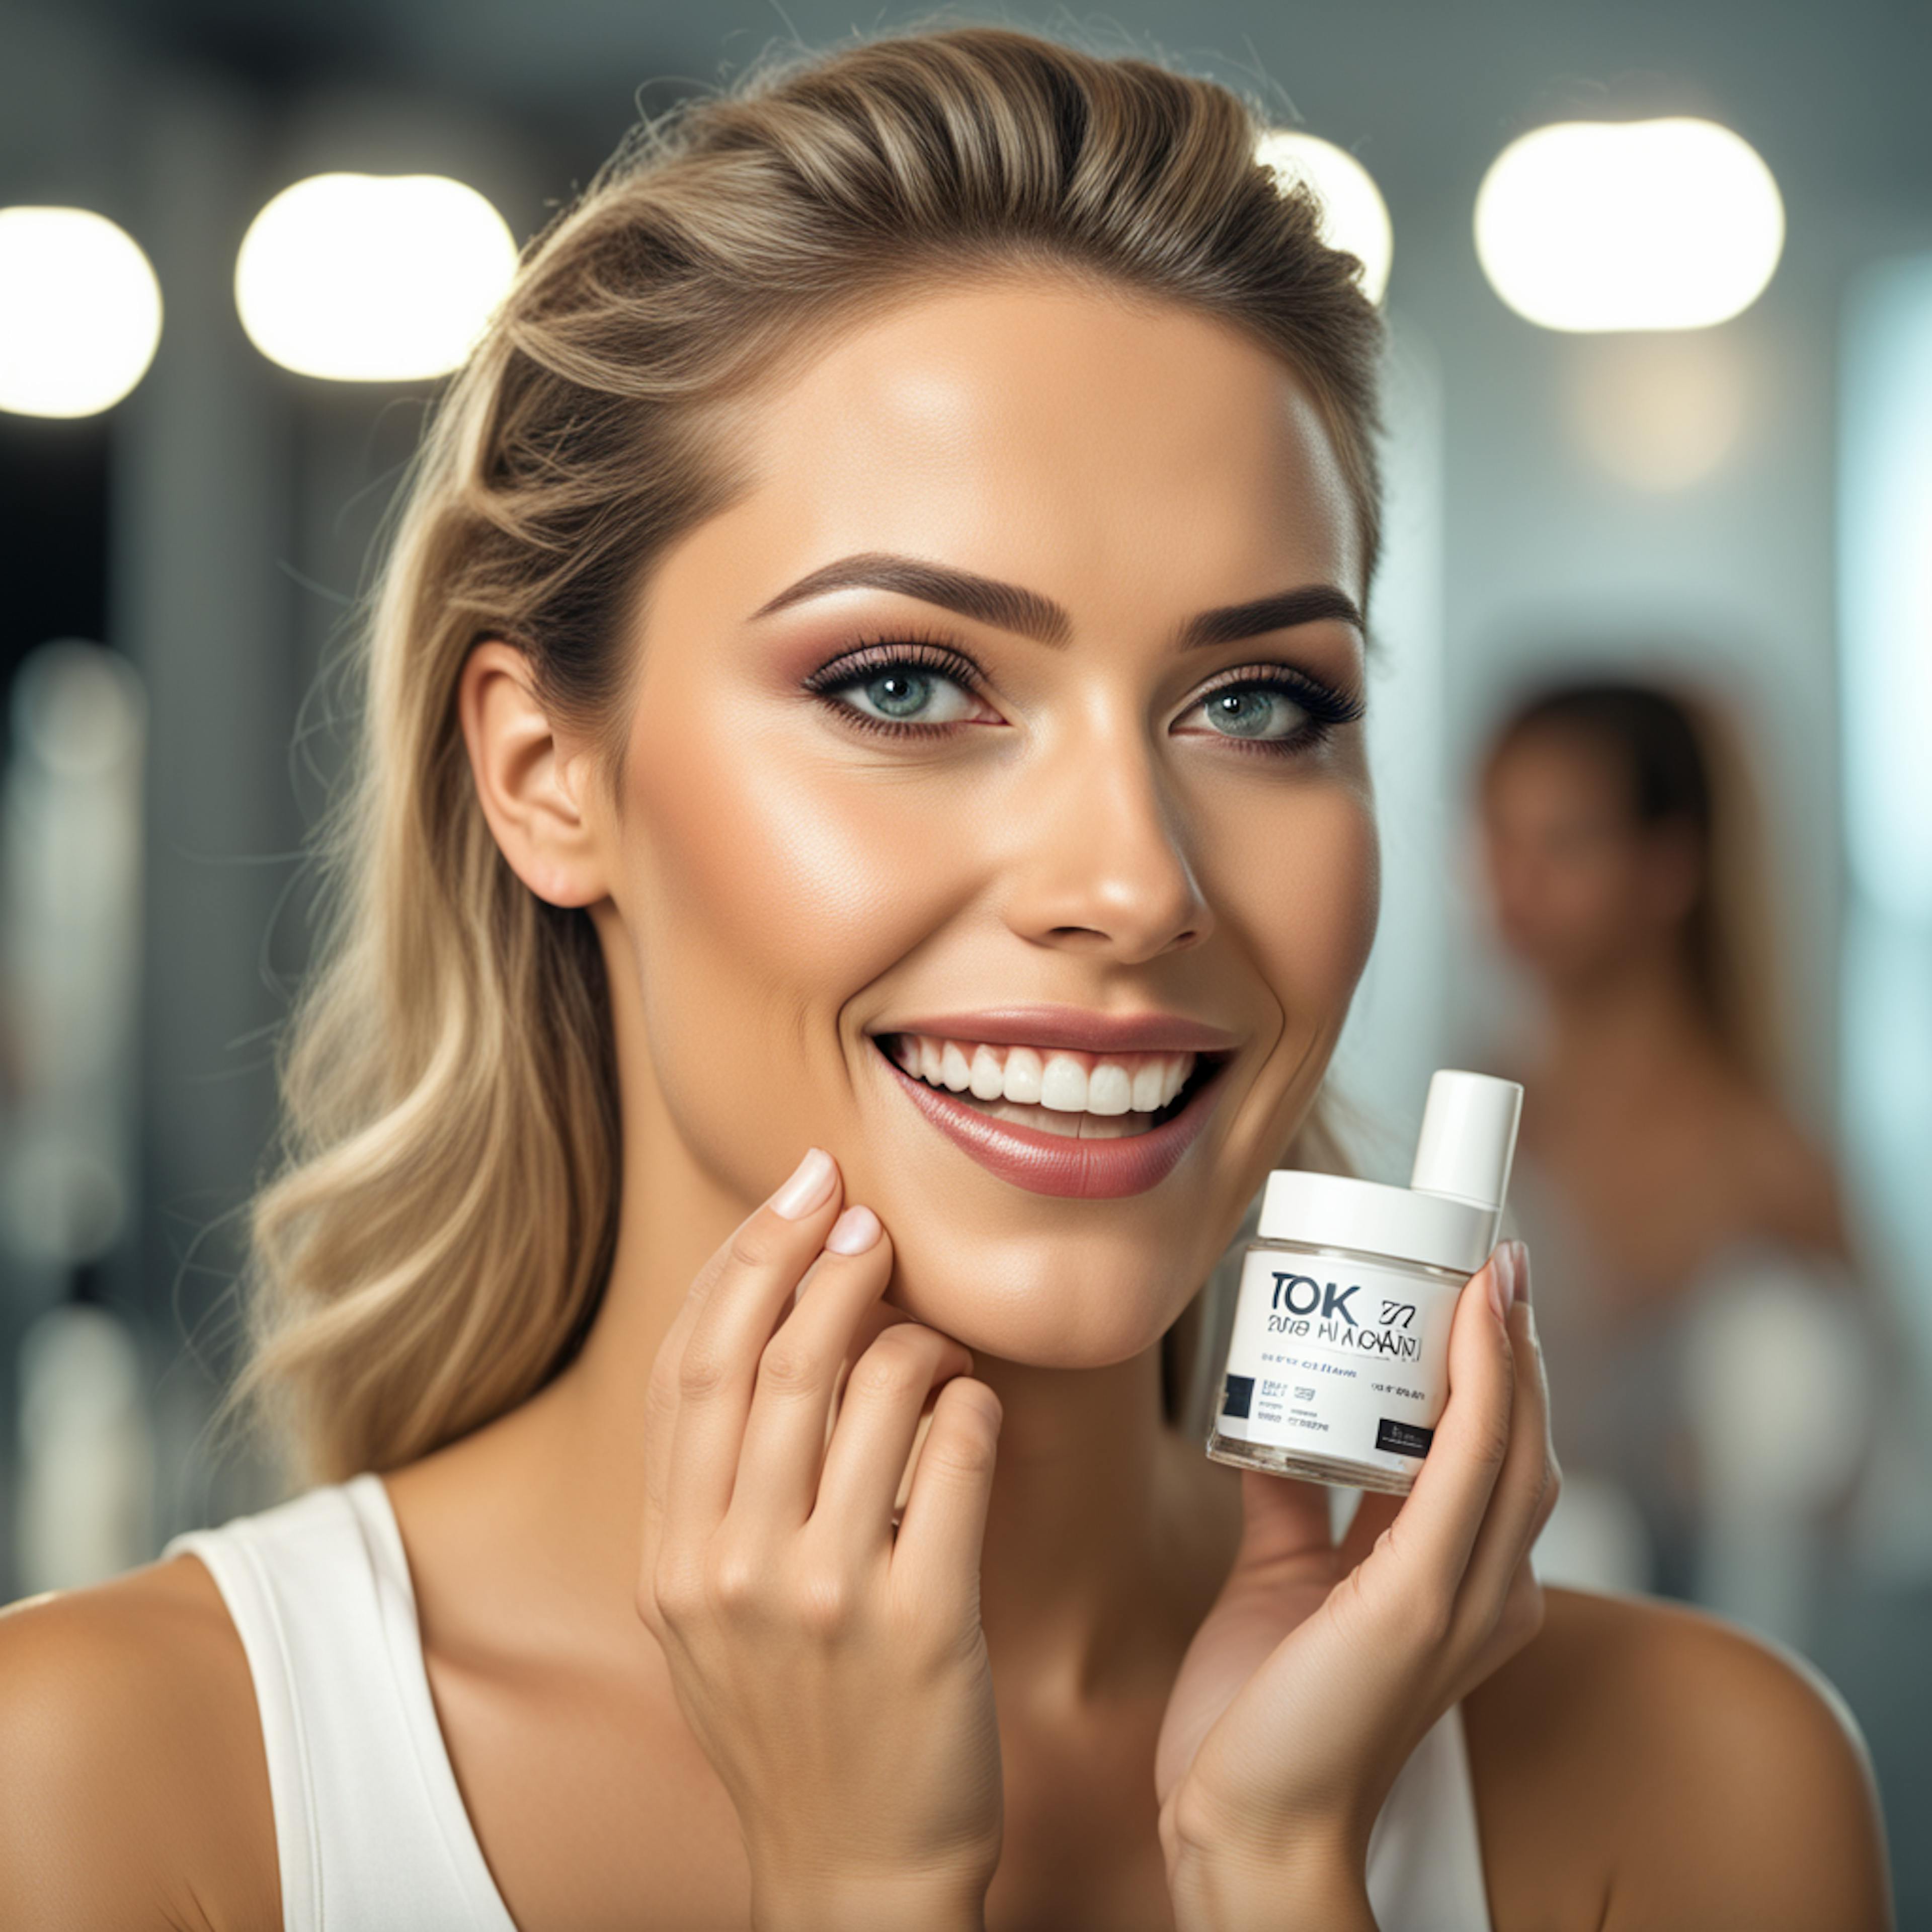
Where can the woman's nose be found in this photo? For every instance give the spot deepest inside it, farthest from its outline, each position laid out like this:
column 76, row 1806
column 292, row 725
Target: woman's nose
column 1102, row 864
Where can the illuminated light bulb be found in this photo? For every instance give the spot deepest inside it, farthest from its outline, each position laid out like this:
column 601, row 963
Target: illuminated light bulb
column 1354, row 215
column 80, row 312
column 372, row 278
column 1593, row 225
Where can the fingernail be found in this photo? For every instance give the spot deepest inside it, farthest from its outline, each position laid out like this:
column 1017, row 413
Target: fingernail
column 1502, row 1281
column 810, row 1183
column 853, row 1232
column 1520, row 1254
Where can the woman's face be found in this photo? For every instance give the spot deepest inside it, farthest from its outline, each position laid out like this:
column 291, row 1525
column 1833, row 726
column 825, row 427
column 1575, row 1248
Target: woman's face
column 1578, row 887
column 1014, row 707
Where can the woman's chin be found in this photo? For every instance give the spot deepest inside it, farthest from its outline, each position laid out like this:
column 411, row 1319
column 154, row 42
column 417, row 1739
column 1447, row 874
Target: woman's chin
column 1047, row 1304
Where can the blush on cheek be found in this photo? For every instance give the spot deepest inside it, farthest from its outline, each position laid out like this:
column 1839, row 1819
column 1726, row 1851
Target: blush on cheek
column 766, row 891
column 1306, row 889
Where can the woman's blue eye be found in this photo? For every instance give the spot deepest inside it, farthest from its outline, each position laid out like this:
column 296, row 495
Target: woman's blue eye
column 1255, row 711
column 904, row 693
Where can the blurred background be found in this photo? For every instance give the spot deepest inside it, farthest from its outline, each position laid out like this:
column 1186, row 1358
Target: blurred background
column 1654, row 664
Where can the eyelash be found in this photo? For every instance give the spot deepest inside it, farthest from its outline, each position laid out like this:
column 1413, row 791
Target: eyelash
column 1327, row 707
column 883, row 654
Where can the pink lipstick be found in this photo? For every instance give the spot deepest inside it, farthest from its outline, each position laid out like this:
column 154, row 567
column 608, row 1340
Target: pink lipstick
column 1044, row 1163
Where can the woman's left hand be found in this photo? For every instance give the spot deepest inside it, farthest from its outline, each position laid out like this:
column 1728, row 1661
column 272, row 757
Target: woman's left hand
column 1321, row 1666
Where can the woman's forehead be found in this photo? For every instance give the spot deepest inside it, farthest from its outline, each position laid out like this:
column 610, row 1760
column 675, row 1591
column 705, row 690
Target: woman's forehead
column 1036, row 427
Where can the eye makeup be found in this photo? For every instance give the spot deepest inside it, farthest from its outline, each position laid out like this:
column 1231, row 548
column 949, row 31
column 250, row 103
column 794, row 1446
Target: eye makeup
column 923, row 658
column 1324, row 706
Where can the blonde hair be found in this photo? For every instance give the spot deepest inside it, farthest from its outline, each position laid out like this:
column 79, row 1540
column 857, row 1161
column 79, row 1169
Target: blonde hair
column 434, row 1245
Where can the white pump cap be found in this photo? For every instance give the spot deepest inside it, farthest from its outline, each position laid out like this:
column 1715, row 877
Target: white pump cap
column 1447, row 1217
column 1468, row 1137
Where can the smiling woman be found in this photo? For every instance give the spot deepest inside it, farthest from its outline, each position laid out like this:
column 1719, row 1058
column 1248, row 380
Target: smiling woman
column 862, row 855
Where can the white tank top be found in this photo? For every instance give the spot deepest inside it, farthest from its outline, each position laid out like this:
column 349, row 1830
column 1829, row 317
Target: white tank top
column 370, row 1832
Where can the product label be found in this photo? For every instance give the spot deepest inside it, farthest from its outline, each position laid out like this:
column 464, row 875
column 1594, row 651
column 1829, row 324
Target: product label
column 1343, row 1359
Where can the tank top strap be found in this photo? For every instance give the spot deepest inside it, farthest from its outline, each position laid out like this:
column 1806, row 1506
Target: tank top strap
column 1425, row 1853
column 371, row 1828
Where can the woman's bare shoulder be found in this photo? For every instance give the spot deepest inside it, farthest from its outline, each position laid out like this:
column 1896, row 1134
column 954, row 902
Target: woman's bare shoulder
column 134, row 1782
column 1642, row 1764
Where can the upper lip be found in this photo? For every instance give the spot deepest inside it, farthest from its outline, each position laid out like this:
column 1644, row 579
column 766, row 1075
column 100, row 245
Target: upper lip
column 1076, row 1027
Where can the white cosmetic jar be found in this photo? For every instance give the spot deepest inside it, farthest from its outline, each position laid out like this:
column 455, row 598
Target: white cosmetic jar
column 1337, row 1367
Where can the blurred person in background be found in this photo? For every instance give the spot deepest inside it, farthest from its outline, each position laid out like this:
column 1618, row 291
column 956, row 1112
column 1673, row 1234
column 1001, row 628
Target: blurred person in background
column 1708, row 1349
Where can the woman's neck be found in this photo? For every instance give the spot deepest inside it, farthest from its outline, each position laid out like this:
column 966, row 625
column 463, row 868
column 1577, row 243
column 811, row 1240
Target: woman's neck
column 1083, row 1494
column 1627, row 1025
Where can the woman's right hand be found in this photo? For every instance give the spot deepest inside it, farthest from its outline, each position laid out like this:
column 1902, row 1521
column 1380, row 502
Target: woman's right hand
column 832, row 1668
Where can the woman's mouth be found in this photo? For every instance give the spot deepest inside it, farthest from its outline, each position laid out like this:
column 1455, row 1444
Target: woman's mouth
column 1059, row 1121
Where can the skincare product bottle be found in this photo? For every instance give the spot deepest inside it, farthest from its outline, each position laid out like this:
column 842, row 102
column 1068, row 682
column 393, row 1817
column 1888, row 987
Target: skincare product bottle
column 1337, row 1368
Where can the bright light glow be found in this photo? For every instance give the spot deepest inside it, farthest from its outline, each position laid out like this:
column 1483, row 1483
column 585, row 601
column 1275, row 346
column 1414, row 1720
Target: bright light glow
column 371, row 278
column 1590, row 225
column 80, row 312
column 1354, row 215
column 1885, row 588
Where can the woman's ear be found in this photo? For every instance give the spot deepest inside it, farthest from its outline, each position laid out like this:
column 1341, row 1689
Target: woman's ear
column 534, row 782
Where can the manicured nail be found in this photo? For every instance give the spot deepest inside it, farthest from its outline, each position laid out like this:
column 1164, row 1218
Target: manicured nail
column 1502, row 1281
column 810, row 1183
column 853, row 1232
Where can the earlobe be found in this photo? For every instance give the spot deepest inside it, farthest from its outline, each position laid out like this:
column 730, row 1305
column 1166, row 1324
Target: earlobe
column 528, row 777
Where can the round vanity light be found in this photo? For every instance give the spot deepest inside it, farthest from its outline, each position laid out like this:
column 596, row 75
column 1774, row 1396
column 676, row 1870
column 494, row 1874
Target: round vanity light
column 372, row 278
column 1587, row 226
column 80, row 312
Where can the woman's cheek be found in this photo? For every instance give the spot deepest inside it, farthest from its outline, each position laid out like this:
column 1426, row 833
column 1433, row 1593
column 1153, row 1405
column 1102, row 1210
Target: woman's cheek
column 1301, row 882
column 767, row 889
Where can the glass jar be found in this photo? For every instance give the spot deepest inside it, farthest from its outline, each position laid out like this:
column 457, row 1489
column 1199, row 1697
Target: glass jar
column 1337, row 1368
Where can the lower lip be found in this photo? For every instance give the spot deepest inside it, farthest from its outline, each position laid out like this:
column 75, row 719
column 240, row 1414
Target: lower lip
column 1096, row 1170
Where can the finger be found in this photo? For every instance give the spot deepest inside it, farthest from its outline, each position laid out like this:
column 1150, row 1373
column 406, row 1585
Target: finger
column 1282, row 1517
column 1377, row 1512
column 1517, row 1510
column 942, row 1535
column 1437, row 1527
column 804, row 1195
column 798, row 1373
column 884, row 1397
column 748, row 1281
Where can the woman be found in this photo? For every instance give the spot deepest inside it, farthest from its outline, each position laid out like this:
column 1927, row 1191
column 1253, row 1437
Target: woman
column 865, row 798
column 1699, row 1235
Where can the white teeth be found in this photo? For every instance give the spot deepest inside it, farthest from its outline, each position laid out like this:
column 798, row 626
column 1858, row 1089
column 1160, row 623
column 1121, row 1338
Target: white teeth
column 989, row 1081
column 1023, row 1075
column 1075, row 1093
column 1071, row 1126
column 1063, row 1087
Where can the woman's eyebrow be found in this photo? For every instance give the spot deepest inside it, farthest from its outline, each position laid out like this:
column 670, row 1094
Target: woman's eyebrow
column 1310, row 603
column 1006, row 605
column 1028, row 614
